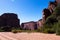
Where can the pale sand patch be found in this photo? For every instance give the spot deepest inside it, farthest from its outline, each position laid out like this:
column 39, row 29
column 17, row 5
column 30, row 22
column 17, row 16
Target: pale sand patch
column 30, row 36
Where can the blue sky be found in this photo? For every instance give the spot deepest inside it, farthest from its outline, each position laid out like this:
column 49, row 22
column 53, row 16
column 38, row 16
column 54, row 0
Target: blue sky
column 27, row 10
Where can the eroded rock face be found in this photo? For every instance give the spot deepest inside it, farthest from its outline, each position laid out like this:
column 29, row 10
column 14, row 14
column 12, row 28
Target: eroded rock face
column 52, row 6
column 39, row 23
column 9, row 20
column 29, row 25
column 48, row 11
column 58, row 1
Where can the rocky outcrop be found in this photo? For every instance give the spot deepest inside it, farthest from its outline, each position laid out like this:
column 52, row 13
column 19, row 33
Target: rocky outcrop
column 9, row 20
column 39, row 23
column 29, row 25
column 58, row 1
column 48, row 11
column 52, row 6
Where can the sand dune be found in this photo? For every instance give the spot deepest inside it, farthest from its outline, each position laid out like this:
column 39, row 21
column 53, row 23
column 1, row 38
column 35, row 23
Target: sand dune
column 27, row 36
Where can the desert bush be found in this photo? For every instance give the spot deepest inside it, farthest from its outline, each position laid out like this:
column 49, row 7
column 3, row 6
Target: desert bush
column 58, row 28
column 1, row 30
column 5, row 29
column 48, row 29
column 39, row 29
column 16, row 31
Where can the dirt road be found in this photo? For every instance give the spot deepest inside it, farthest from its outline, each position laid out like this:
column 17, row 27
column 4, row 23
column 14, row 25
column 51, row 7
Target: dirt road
column 27, row 36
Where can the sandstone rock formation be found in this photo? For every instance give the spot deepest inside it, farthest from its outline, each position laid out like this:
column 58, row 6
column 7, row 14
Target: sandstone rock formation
column 39, row 23
column 52, row 6
column 29, row 25
column 9, row 20
column 48, row 11
column 58, row 1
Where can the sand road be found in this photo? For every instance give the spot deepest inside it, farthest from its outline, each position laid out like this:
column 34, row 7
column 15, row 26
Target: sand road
column 27, row 36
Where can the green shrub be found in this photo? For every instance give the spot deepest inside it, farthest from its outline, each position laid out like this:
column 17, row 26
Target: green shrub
column 1, row 30
column 48, row 29
column 39, row 29
column 58, row 28
column 16, row 31
column 51, row 31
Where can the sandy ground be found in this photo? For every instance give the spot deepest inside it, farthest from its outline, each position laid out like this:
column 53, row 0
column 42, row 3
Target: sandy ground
column 27, row 36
